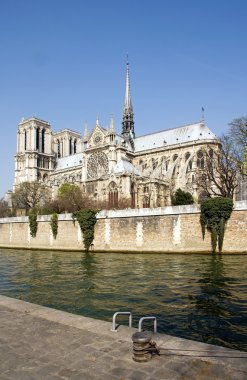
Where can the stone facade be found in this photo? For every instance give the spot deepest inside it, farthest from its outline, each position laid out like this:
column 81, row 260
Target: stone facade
column 110, row 167
column 168, row 230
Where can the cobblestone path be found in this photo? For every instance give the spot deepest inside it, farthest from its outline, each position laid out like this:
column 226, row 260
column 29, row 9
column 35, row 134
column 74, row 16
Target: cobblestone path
column 42, row 343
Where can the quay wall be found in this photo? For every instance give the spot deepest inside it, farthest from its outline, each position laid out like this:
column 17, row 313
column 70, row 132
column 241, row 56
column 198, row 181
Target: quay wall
column 165, row 230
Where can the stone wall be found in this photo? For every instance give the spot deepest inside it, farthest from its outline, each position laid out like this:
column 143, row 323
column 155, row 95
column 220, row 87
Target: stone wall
column 169, row 229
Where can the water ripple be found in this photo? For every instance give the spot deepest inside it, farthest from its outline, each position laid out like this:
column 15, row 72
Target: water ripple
column 194, row 296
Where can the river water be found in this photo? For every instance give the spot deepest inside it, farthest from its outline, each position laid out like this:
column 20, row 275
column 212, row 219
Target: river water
column 200, row 297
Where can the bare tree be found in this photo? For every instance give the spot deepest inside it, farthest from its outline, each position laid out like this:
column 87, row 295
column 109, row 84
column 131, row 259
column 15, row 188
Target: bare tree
column 121, row 204
column 30, row 195
column 238, row 133
column 4, row 209
column 221, row 172
column 238, row 136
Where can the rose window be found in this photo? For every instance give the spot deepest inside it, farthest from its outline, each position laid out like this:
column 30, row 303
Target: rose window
column 97, row 165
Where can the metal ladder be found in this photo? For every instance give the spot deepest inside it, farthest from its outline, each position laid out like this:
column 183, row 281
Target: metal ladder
column 114, row 329
column 151, row 317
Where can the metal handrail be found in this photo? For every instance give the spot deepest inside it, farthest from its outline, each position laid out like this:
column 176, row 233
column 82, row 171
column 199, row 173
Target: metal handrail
column 146, row 318
column 120, row 313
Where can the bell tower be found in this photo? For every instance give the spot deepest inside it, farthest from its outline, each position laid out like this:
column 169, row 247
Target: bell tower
column 34, row 159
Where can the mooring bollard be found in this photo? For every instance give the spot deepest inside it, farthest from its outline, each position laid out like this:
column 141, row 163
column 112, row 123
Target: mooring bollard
column 141, row 346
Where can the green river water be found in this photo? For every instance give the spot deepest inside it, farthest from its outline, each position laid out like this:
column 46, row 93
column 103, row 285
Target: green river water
column 200, row 297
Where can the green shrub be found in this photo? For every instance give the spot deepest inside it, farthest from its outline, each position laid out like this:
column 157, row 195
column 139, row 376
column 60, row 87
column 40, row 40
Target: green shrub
column 214, row 214
column 44, row 211
column 54, row 224
column 182, row 198
column 33, row 224
column 87, row 220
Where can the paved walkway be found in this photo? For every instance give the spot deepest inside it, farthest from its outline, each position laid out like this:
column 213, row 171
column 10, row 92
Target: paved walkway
column 41, row 343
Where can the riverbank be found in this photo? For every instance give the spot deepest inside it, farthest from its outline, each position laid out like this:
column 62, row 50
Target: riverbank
column 173, row 229
column 38, row 342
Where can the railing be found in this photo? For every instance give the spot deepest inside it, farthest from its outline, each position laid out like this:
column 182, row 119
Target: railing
column 148, row 318
column 121, row 313
column 114, row 326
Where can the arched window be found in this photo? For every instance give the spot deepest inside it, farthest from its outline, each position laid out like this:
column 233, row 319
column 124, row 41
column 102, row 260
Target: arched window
column 132, row 192
column 45, row 177
column 75, row 146
column 43, row 141
column 38, row 162
column 58, row 148
column 189, row 166
column 61, row 147
column 46, row 163
column 175, row 157
column 200, row 160
column 174, row 171
column 146, row 201
column 211, row 153
column 38, row 176
column 25, row 140
column 146, row 189
column 154, row 163
column 70, row 146
column 113, row 195
column 187, row 156
column 37, row 138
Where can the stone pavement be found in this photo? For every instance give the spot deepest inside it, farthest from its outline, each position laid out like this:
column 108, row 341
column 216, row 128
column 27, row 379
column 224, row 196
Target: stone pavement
column 41, row 343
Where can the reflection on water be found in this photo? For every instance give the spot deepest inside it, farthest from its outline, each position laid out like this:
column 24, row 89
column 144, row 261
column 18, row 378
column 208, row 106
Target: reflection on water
column 194, row 296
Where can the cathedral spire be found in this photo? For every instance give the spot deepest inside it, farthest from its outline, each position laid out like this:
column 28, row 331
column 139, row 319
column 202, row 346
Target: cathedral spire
column 85, row 132
column 128, row 115
column 127, row 103
column 112, row 129
column 97, row 121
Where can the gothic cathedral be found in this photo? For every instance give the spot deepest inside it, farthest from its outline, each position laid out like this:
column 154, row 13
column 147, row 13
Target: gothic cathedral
column 111, row 167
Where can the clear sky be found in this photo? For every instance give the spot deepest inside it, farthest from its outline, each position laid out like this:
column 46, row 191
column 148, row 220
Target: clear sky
column 64, row 61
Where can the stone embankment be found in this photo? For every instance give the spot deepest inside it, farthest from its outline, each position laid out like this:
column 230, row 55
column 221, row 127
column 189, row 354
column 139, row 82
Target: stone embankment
column 42, row 343
column 168, row 229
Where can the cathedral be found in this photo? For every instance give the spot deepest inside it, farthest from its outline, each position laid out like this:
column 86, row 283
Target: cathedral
column 111, row 167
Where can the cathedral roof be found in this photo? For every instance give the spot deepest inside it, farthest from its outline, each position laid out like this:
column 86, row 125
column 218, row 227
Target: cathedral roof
column 185, row 134
column 69, row 161
column 124, row 166
column 66, row 130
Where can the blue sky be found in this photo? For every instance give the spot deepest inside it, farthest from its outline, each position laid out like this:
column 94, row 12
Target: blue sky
column 64, row 61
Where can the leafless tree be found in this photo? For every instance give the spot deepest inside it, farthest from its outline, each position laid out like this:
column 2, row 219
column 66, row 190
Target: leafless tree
column 221, row 172
column 121, row 204
column 238, row 135
column 4, row 209
column 29, row 195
